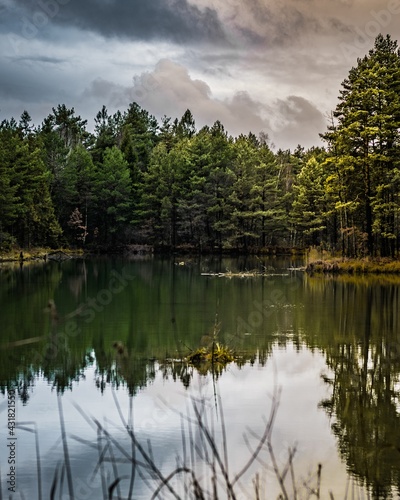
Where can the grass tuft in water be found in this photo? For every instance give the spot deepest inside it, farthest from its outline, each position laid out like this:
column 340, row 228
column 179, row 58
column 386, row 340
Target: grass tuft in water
column 213, row 357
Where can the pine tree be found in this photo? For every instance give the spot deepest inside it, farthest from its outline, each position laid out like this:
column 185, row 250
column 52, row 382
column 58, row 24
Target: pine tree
column 111, row 193
column 242, row 214
column 105, row 132
column 267, row 198
column 159, row 201
column 309, row 207
column 36, row 223
column 8, row 197
column 77, row 185
column 364, row 147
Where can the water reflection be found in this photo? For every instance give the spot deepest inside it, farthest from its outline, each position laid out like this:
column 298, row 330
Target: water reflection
column 362, row 349
column 164, row 312
column 134, row 330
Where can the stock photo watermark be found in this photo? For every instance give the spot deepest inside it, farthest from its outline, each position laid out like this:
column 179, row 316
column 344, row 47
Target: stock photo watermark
column 30, row 26
column 365, row 36
column 11, row 440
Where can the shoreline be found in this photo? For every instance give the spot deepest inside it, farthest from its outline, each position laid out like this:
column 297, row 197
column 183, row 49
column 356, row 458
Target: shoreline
column 39, row 254
column 44, row 254
column 333, row 266
column 378, row 265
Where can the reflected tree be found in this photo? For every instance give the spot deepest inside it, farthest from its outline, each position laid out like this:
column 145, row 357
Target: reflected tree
column 365, row 391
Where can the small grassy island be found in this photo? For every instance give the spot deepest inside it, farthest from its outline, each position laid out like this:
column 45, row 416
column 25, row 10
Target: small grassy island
column 211, row 359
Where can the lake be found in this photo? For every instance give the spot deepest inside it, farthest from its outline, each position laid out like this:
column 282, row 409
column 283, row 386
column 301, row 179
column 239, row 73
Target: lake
column 97, row 400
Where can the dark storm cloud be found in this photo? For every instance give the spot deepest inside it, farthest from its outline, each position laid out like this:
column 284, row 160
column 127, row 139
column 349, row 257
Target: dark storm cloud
column 20, row 83
column 32, row 82
column 39, row 59
column 255, row 65
column 274, row 23
column 301, row 121
column 173, row 20
column 103, row 91
column 339, row 26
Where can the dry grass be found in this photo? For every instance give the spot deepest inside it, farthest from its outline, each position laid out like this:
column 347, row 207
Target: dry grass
column 203, row 469
column 355, row 266
column 34, row 254
column 213, row 359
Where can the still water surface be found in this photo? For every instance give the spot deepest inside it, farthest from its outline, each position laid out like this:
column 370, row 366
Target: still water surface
column 322, row 352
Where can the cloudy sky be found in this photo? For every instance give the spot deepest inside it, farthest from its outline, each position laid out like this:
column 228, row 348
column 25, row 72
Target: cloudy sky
column 255, row 65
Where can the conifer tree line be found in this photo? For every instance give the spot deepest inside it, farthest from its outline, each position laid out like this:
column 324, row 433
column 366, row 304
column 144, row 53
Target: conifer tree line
column 137, row 181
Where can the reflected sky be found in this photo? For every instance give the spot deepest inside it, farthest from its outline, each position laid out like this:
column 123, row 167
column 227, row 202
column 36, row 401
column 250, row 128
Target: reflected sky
column 246, row 397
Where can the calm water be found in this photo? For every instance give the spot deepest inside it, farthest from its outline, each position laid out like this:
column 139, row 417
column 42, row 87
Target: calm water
column 323, row 353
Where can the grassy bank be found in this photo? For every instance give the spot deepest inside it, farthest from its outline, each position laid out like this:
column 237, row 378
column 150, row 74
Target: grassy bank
column 34, row 254
column 354, row 266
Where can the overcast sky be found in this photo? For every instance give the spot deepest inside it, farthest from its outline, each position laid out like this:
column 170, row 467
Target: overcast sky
column 255, row 65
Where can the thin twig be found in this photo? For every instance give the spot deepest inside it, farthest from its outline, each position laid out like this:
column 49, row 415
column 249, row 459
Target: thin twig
column 264, row 437
column 256, row 483
column 21, row 425
column 100, row 466
column 115, row 469
column 216, row 454
column 224, row 438
column 65, row 446
column 133, row 448
column 291, row 455
column 53, row 488
column 142, row 451
column 280, row 478
column 168, row 479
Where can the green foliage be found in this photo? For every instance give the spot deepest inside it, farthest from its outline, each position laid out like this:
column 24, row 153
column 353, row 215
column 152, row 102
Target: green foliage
column 77, row 186
column 107, row 130
column 70, row 128
column 111, row 193
column 171, row 185
column 364, row 147
column 309, row 205
column 27, row 211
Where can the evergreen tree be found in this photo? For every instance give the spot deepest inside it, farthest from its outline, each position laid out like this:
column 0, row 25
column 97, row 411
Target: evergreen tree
column 364, row 146
column 8, row 197
column 289, row 166
column 111, row 192
column 186, row 127
column 55, row 155
column 34, row 220
column 70, row 128
column 139, row 136
column 78, row 180
column 267, row 197
column 25, row 124
column 309, row 207
column 242, row 213
column 159, row 201
column 195, row 220
column 220, row 179
column 105, row 132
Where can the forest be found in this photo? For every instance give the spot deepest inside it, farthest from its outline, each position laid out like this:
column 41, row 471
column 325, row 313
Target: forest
column 136, row 181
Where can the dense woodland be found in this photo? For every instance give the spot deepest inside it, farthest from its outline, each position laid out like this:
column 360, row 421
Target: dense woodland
column 137, row 181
